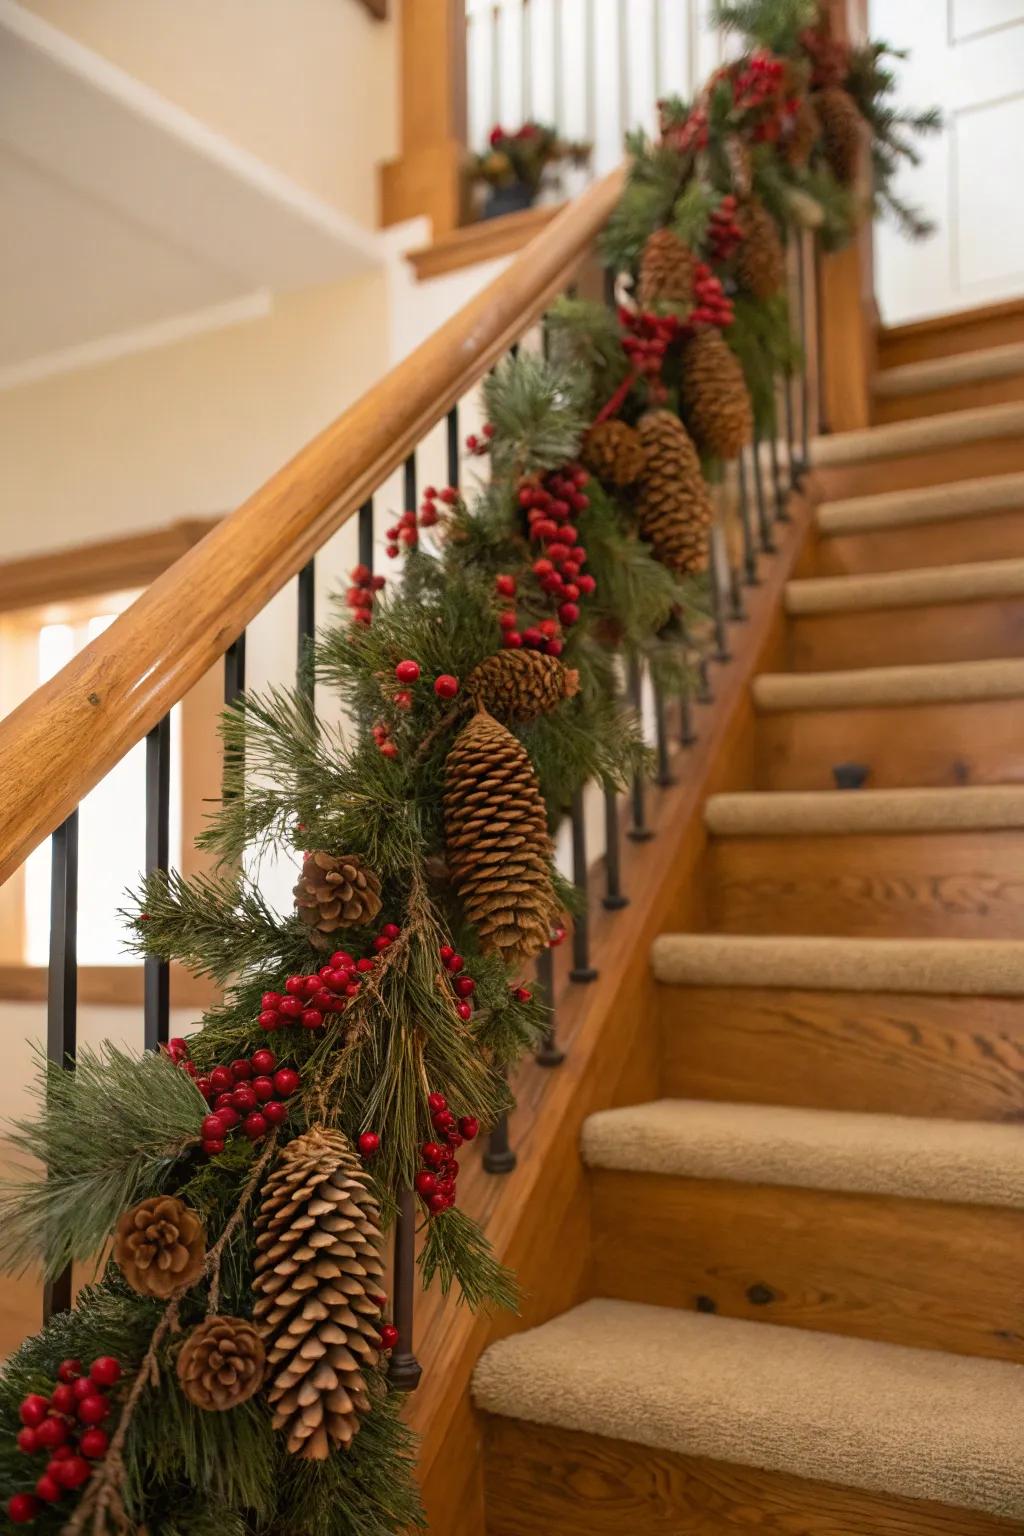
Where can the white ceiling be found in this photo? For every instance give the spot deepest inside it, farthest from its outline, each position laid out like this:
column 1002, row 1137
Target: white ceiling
column 126, row 221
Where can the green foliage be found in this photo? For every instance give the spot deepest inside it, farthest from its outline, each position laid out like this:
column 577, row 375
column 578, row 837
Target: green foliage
column 763, row 340
column 772, row 24
column 481, row 1281
column 538, row 413
column 217, row 925
column 872, row 83
column 693, row 208
column 585, row 340
column 657, row 175
column 109, row 1133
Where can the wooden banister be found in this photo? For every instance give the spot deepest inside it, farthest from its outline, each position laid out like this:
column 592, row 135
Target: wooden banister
column 62, row 740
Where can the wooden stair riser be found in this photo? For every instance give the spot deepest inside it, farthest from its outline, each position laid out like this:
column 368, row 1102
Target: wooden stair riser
column 562, row 1483
column 953, row 397
column 967, row 885
column 914, row 1272
column 955, row 1058
column 906, row 472
column 993, row 325
column 904, row 746
column 996, row 535
column 984, row 630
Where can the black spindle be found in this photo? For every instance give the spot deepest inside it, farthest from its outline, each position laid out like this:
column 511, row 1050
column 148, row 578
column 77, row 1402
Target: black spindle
column 613, row 898
column 234, row 687
column 404, row 1370
column 156, row 995
column 639, row 831
column 548, row 1052
column 366, row 534
column 498, row 1155
column 781, row 514
column 452, row 439
column 62, row 992
column 665, row 776
column 764, row 524
column 582, row 970
column 795, row 467
column 801, row 286
column 409, row 482
column 746, row 525
column 306, row 629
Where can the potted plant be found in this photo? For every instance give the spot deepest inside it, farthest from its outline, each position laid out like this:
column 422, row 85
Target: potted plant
column 513, row 166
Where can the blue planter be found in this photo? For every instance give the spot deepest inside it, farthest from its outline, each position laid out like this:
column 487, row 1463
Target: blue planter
column 512, row 199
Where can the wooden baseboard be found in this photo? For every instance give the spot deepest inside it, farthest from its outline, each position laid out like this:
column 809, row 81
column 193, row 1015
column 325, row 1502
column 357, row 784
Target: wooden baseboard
column 114, row 986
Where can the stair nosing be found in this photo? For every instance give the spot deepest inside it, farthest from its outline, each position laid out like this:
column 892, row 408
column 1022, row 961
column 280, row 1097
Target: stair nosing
column 920, row 587
column 870, row 812
column 927, row 504
column 958, row 682
column 867, row 444
column 978, row 366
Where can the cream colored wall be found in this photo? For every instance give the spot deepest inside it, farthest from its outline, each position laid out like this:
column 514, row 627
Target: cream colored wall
column 308, row 85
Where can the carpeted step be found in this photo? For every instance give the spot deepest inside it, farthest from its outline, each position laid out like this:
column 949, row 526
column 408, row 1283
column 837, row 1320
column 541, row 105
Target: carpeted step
column 929, row 587
column 949, row 372
column 957, row 682
column 918, row 1423
column 932, row 504
column 959, row 1161
column 921, row 436
column 966, row 967
column 803, row 813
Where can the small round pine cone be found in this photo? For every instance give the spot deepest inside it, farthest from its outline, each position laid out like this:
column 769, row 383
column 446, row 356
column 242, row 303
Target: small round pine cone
column 715, row 401
column 221, row 1363
column 760, row 261
column 160, row 1246
column 336, row 891
column 842, row 132
column 666, row 270
column 520, row 685
column 613, row 452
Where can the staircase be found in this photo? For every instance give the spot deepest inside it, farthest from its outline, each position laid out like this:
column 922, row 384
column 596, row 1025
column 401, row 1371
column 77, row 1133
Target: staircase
column 805, row 1313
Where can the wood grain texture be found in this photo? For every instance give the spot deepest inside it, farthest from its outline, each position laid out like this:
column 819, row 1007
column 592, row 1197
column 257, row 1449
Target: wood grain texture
column 975, row 631
column 962, row 461
column 483, row 241
column 969, row 885
column 106, row 565
column 427, row 177
column 848, row 320
column 555, row 1482
column 968, row 330
column 63, row 739
column 114, row 986
column 936, row 402
column 912, row 1272
column 912, row 745
column 992, row 536
column 956, row 1058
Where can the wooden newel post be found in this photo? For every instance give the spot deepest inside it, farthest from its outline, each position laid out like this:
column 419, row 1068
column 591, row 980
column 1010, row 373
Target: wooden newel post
column 427, row 177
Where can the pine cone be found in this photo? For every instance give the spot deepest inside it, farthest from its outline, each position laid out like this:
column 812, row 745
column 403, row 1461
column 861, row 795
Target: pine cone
column 741, row 168
column 714, row 396
column 520, row 685
column 761, row 261
column 803, row 135
column 842, row 129
column 496, row 834
column 160, row 1246
column 336, row 892
column 318, row 1268
column 674, row 506
column 221, row 1363
column 612, row 451
column 666, row 270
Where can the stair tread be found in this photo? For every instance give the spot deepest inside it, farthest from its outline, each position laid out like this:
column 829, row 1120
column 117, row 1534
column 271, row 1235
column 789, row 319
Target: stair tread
column 947, row 372
column 772, row 813
column 915, row 1422
column 960, row 1161
column 939, row 967
column 933, row 503
column 918, row 436
column 975, row 581
column 939, row 682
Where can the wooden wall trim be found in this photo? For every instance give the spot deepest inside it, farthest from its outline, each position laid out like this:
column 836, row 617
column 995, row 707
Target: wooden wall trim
column 60, row 742
column 114, row 986
column 484, row 241
column 935, row 325
column 428, row 175
column 107, row 565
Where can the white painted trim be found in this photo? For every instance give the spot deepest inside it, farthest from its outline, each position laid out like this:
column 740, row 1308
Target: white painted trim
column 163, row 333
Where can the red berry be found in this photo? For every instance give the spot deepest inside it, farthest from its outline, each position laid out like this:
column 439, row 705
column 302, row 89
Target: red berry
column 446, row 953
column 62, row 1399
column 464, row 1011
column 264, row 1061
column 436, row 1203
column 213, row 1125
column 432, row 1153
column 388, row 1336
column 221, row 1079
column 506, row 585
column 388, row 749
column 407, row 671
column 255, row 1125
column 295, row 985
column 436, row 1102
column 230, row 1116
column 263, row 1088
column 28, row 1441
column 381, row 943
column 464, row 985
column 369, row 1143
column 426, row 1182
column 48, row 1488
column 444, row 1120
column 105, row 1371
column 83, row 1387
column 469, row 1125
column 22, row 1508
column 365, row 964
column 274, row 1112
column 507, row 620
column 214, row 1146
column 205, row 1087
column 286, row 1080
column 454, row 963
column 446, row 686
column 243, row 1099
column 312, row 1018
column 93, row 1443
column 33, row 1410
column 72, row 1472
column 269, row 1019
column 454, row 1140
column 568, row 613
column 177, row 1048
column 68, row 1370
column 341, row 958
column 51, row 1433
column 93, row 1409
column 241, row 1070
column 291, row 1007
column 512, row 640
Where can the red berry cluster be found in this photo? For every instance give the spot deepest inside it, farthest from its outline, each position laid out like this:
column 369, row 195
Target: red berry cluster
column 359, row 596
column 248, row 1095
column 693, row 133
column 382, row 731
column 713, row 306
column 724, row 233
column 65, row 1428
column 307, row 1000
column 462, row 986
column 435, row 1182
column 648, row 338
column 756, row 82
column 550, row 501
column 480, row 445
column 404, row 534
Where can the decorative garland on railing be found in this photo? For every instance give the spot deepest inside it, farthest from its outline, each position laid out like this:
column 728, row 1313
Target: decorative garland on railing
column 227, row 1375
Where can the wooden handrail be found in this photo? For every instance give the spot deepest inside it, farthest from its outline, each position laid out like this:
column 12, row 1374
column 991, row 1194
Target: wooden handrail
column 62, row 740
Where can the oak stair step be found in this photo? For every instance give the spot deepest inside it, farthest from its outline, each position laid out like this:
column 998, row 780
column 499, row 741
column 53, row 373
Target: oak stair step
column 905, row 438
column 931, row 504
column 809, row 813
column 957, row 682
column 947, row 372
column 913, row 1423
column 937, row 525
column 927, row 587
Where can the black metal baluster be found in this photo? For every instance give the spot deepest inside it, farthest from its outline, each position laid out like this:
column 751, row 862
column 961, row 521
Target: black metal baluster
column 582, row 970
column 795, row 473
column 763, row 520
column 715, row 575
column 548, row 1052
column 366, row 534
column 781, row 514
column 687, row 734
column 404, row 1370
column 639, row 831
column 452, row 435
column 704, row 694
column 498, row 1156
column 613, row 898
column 746, row 523
column 234, row 687
column 304, row 679
column 62, row 992
column 664, row 777
column 409, row 482
column 156, row 995
column 801, row 285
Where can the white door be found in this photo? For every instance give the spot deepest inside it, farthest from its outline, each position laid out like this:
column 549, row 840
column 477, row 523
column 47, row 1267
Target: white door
column 967, row 56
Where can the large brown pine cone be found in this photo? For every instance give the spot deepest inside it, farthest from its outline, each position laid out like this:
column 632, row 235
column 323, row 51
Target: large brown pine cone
column 666, row 270
column 336, row 891
column 842, row 129
column 803, row 134
column 499, row 851
column 160, row 1246
column 613, row 452
column 674, row 506
column 715, row 401
column 318, row 1267
column 760, row 261
column 221, row 1363
column 520, row 685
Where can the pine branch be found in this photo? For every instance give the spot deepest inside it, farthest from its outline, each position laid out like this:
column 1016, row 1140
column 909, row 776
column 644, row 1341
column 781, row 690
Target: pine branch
column 456, row 1250
column 217, row 925
column 538, row 413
